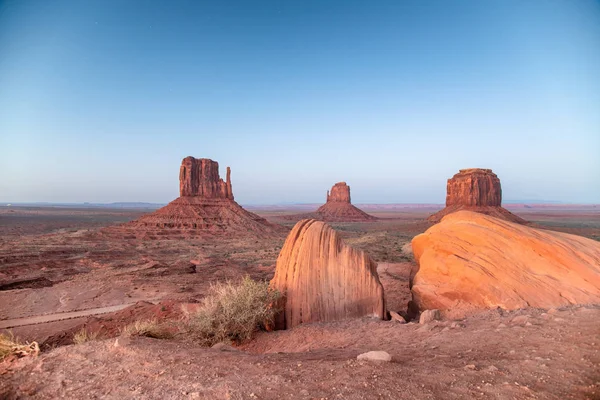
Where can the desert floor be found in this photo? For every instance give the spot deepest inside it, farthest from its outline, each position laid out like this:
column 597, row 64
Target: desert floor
column 59, row 272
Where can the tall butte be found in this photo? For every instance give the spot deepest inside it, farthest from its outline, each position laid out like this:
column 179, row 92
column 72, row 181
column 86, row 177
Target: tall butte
column 338, row 207
column 478, row 190
column 205, row 206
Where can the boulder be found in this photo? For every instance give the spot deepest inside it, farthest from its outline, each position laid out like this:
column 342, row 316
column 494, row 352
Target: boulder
column 473, row 261
column 429, row 315
column 375, row 356
column 323, row 279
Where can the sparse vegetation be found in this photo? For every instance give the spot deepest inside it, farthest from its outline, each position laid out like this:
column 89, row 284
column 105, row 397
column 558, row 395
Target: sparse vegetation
column 233, row 312
column 84, row 336
column 9, row 345
column 148, row 328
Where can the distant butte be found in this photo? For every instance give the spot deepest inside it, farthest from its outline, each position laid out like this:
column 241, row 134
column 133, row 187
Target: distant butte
column 205, row 207
column 337, row 208
column 478, row 190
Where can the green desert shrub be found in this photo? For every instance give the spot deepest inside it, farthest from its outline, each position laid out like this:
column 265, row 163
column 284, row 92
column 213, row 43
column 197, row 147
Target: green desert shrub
column 233, row 312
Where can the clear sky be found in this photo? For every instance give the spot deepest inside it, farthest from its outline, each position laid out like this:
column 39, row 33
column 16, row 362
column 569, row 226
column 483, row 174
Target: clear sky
column 101, row 99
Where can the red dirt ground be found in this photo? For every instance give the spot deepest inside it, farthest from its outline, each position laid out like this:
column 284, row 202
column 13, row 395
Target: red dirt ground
column 54, row 261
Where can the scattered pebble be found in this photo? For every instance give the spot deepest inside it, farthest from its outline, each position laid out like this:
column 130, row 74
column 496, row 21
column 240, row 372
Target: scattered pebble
column 375, row 356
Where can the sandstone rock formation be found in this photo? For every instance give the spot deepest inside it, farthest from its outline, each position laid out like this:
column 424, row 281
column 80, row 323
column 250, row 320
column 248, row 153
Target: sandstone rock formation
column 337, row 208
column 471, row 261
column 323, row 279
column 478, row 190
column 340, row 193
column 205, row 207
column 200, row 178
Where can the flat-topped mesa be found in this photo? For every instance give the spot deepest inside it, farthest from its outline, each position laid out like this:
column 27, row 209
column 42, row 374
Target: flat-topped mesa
column 340, row 192
column 199, row 177
column 474, row 187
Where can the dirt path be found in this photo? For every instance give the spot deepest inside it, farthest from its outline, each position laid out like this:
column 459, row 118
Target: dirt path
column 40, row 319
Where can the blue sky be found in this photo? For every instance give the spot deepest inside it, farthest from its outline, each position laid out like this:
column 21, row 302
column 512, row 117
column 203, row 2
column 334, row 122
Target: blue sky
column 101, row 99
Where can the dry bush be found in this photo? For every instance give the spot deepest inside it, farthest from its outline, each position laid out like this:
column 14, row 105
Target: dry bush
column 84, row 336
column 148, row 328
column 9, row 346
column 232, row 312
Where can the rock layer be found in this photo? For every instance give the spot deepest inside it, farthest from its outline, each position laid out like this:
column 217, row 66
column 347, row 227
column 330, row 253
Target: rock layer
column 200, row 177
column 472, row 261
column 205, row 207
column 340, row 193
column 323, row 279
column 475, row 189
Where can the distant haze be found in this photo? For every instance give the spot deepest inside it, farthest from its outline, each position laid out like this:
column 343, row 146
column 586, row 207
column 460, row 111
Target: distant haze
column 100, row 100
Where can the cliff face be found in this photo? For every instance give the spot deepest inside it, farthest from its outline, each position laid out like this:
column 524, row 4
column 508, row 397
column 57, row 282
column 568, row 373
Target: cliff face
column 324, row 279
column 474, row 187
column 478, row 190
column 340, row 193
column 472, row 261
column 200, row 177
column 206, row 207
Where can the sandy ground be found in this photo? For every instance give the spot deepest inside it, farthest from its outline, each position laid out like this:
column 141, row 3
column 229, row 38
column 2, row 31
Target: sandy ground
column 54, row 262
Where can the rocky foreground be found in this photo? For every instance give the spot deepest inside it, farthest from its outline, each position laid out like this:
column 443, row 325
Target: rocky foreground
column 526, row 354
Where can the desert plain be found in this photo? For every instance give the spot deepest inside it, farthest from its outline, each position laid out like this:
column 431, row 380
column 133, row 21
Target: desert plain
column 60, row 271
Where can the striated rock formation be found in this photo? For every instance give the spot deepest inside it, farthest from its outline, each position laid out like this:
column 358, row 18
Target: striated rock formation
column 475, row 189
column 200, row 178
column 340, row 193
column 471, row 261
column 205, row 207
column 323, row 279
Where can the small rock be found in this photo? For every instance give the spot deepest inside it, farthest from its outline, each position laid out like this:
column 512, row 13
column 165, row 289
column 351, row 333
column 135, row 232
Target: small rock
column 224, row 347
column 122, row 341
column 375, row 356
column 552, row 311
column 559, row 319
column 492, row 368
column 471, row 367
column 501, row 326
column 397, row 317
column 521, row 319
column 528, row 323
column 429, row 315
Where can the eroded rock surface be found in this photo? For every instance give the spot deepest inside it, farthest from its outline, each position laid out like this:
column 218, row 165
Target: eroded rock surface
column 475, row 189
column 338, row 207
column 473, row 261
column 323, row 279
column 199, row 177
column 205, row 207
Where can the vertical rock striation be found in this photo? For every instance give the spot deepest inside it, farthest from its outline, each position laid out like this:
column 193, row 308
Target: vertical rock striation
column 323, row 279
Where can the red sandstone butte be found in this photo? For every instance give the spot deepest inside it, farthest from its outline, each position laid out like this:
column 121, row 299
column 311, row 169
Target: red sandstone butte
column 338, row 207
column 205, row 207
column 478, row 190
column 323, row 279
column 200, row 177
